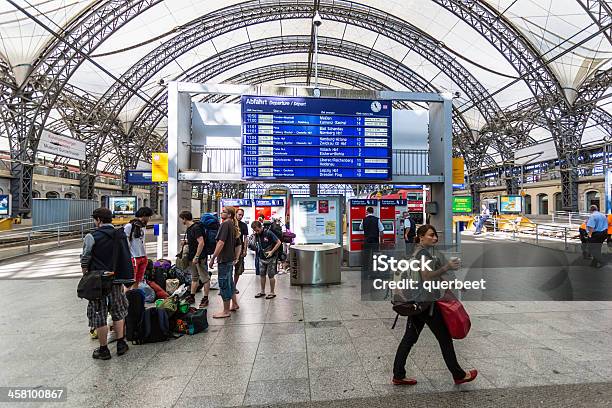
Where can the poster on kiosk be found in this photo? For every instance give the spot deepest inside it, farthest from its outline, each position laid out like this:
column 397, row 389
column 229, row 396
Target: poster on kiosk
column 316, row 220
column 270, row 208
column 245, row 204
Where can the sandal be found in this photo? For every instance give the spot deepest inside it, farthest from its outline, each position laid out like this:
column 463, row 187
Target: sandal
column 271, row 296
column 233, row 309
column 260, row 294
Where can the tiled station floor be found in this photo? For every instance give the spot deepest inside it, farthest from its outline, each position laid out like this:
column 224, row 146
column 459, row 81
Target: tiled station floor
column 307, row 344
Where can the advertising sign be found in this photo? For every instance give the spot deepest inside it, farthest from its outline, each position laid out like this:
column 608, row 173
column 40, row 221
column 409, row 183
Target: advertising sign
column 5, row 207
column 122, row 206
column 462, row 204
column 510, row 204
column 458, row 170
column 159, row 167
column 61, row 145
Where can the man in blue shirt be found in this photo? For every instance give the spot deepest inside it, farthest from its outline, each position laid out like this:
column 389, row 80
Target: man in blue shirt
column 597, row 229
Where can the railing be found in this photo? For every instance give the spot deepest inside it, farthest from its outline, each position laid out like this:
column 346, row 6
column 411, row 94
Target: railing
column 23, row 241
column 225, row 160
column 569, row 217
column 410, row 162
column 538, row 233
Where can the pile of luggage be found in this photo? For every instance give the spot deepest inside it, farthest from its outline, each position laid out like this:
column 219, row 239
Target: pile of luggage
column 158, row 309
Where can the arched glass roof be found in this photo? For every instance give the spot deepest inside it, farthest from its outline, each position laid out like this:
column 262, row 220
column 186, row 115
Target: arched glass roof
column 559, row 34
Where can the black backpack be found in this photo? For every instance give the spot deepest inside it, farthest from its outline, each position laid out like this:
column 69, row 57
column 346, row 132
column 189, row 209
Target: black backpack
column 155, row 326
column 159, row 277
column 136, row 231
column 136, row 311
column 275, row 229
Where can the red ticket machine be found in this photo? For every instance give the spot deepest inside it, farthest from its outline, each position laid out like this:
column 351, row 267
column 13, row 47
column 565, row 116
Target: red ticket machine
column 357, row 212
column 270, row 208
column 389, row 209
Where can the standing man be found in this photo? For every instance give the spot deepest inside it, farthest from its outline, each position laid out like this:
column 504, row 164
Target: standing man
column 194, row 239
column 373, row 234
column 484, row 215
column 226, row 252
column 244, row 237
column 106, row 249
column 409, row 233
column 597, row 229
column 267, row 246
column 135, row 233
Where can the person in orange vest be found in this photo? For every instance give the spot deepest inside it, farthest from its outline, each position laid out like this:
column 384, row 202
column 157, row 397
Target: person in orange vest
column 609, row 240
column 584, row 239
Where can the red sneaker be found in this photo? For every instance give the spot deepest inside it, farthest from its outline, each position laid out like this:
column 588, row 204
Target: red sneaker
column 404, row 381
column 473, row 375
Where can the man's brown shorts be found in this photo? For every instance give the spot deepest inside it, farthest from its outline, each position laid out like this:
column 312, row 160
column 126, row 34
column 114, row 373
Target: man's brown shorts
column 239, row 267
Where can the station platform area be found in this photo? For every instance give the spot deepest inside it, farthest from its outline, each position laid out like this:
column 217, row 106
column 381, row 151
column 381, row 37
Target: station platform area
column 322, row 346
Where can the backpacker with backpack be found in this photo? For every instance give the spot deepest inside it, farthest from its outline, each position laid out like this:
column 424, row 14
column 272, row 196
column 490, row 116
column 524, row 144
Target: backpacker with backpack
column 210, row 225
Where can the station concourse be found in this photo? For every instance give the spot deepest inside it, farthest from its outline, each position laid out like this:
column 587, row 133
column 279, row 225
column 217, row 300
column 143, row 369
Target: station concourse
column 305, row 203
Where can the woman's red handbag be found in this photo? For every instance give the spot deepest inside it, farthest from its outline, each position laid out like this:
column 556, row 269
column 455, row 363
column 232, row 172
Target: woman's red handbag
column 456, row 318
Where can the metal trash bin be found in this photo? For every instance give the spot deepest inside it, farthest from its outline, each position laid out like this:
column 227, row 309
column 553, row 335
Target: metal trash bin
column 315, row 264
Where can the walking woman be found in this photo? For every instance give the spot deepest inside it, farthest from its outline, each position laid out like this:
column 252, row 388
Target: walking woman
column 426, row 239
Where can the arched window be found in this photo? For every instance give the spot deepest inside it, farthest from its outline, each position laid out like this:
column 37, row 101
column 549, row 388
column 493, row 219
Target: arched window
column 527, row 203
column 145, row 202
column 103, row 201
column 35, row 194
column 542, row 204
column 592, row 198
column 558, row 202
column 70, row 195
column 52, row 194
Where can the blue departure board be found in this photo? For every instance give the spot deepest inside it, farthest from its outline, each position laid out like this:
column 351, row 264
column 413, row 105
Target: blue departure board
column 315, row 139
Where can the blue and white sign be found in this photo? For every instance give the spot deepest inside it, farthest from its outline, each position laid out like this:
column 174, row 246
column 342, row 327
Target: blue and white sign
column 261, row 202
column 5, row 208
column 408, row 186
column 316, row 139
column 362, row 202
column 139, row 177
column 396, row 202
column 237, row 202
